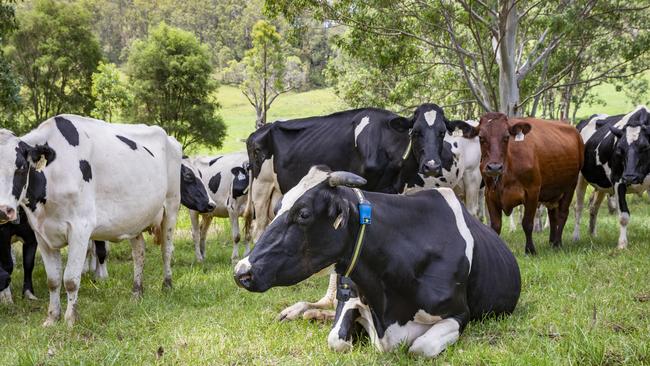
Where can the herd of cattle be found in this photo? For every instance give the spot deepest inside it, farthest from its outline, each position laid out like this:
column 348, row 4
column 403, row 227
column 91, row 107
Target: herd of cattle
column 409, row 258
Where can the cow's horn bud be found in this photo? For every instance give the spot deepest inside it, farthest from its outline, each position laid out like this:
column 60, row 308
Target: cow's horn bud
column 345, row 179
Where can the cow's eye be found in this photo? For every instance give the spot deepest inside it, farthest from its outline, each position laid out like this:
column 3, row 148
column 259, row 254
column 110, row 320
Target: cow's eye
column 188, row 178
column 304, row 215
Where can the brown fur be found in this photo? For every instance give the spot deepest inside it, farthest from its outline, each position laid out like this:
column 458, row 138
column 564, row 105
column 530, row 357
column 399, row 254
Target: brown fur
column 543, row 168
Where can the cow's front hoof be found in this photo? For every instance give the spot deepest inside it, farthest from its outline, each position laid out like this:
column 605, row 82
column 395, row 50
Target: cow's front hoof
column 101, row 272
column 50, row 321
column 293, row 312
column 530, row 251
column 622, row 245
column 29, row 295
column 337, row 344
column 5, row 296
column 167, row 284
column 319, row 315
column 71, row 316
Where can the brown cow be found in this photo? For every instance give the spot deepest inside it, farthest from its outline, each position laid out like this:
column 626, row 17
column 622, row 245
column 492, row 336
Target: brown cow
column 529, row 161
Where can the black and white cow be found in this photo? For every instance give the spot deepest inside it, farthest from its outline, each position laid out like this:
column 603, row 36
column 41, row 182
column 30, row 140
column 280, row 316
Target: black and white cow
column 19, row 228
column 617, row 162
column 227, row 180
column 78, row 179
column 426, row 268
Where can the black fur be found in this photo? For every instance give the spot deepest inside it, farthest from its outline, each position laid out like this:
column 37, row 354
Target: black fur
column 68, row 130
column 86, row 171
column 130, row 143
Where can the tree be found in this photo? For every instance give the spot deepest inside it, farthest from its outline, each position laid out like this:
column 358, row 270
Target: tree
column 111, row 94
column 501, row 55
column 171, row 80
column 262, row 75
column 9, row 87
column 55, row 53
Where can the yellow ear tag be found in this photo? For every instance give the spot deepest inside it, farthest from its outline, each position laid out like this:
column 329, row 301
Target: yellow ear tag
column 40, row 164
column 338, row 221
column 519, row 136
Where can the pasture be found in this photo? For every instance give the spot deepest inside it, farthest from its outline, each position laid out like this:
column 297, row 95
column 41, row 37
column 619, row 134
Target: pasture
column 585, row 304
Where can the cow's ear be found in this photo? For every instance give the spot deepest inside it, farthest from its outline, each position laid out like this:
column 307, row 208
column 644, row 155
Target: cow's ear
column 41, row 156
column 339, row 209
column 616, row 131
column 520, row 127
column 464, row 128
column 401, row 124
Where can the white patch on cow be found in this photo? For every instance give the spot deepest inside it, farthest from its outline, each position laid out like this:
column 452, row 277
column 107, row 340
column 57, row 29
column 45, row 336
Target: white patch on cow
column 455, row 206
column 309, row 181
column 632, row 134
column 437, row 338
column 590, row 128
column 243, row 266
column 519, row 136
column 360, row 127
column 472, row 122
column 623, row 121
column 430, row 117
column 457, row 133
column 431, row 162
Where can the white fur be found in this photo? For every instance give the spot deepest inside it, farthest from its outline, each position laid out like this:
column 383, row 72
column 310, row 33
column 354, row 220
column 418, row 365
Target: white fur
column 360, row 127
column 430, row 117
column 314, row 177
column 130, row 192
column 461, row 225
column 632, row 134
column 243, row 265
column 437, row 338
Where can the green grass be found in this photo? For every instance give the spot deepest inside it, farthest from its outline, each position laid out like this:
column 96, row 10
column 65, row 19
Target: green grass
column 578, row 306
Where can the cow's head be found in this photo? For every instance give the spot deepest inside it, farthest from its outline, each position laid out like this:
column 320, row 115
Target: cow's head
column 259, row 148
column 429, row 130
column 307, row 235
column 240, row 180
column 632, row 151
column 19, row 163
column 194, row 193
column 495, row 133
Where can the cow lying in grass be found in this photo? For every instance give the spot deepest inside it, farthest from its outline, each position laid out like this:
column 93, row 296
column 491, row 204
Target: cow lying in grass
column 427, row 266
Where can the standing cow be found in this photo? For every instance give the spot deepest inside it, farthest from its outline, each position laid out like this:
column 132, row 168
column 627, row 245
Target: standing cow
column 78, row 179
column 227, row 180
column 419, row 286
column 529, row 161
column 617, row 162
column 19, row 228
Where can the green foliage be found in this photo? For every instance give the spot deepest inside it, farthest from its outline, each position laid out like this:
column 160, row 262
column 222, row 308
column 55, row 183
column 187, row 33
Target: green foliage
column 9, row 87
column 55, row 53
column 171, row 78
column 111, row 94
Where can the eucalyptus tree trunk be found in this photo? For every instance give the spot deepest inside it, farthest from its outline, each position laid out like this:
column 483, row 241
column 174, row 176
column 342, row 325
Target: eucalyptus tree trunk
column 508, row 85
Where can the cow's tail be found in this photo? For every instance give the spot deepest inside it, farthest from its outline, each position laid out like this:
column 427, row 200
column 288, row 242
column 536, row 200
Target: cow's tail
column 249, row 212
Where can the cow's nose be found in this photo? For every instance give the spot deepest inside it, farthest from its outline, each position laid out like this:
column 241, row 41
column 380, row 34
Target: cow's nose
column 211, row 206
column 631, row 179
column 7, row 214
column 432, row 169
column 494, row 168
column 243, row 276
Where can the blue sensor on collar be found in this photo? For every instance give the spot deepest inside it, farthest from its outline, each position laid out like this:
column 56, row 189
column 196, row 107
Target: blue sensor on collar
column 365, row 213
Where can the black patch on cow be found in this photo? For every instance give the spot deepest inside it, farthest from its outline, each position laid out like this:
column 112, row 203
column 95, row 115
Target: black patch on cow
column 447, row 156
column 86, row 172
column 37, row 189
column 437, row 185
column 127, row 141
column 214, row 182
column 100, row 250
column 443, row 179
column 23, row 152
column 215, row 160
column 239, row 181
column 149, row 151
column 68, row 130
column 457, row 172
column 455, row 144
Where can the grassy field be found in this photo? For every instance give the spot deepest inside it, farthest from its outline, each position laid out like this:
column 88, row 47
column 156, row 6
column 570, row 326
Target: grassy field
column 586, row 304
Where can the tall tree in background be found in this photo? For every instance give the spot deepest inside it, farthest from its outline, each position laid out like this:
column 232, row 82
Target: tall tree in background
column 55, row 54
column 9, row 88
column 112, row 95
column 171, row 78
column 500, row 55
column 266, row 71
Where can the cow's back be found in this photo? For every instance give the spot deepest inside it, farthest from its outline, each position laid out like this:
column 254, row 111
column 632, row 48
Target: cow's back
column 492, row 263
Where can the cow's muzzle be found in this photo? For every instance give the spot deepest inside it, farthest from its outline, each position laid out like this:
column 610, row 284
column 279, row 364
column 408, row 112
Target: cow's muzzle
column 242, row 274
column 432, row 169
column 629, row 179
column 494, row 169
column 7, row 214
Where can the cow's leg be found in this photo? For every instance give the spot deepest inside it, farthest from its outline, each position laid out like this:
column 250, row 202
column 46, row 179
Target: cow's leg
column 77, row 248
column 539, row 215
column 594, row 207
column 6, row 268
column 196, row 235
column 52, row 262
column 234, row 231
column 205, row 226
column 563, row 209
column 167, row 247
column 581, row 188
column 101, row 267
column 472, row 183
column 512, row 221
column 611, row 204
column 623, row 214
column 29, row 256
column 305, row 308
column 440, row 336
column 137, row 252
column 530, row 208
column 553, row 235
